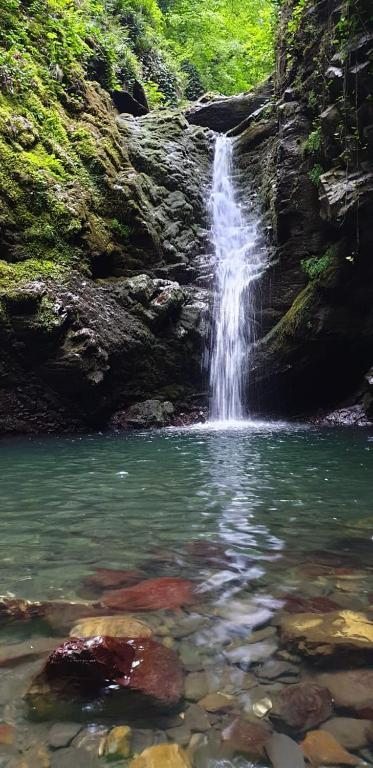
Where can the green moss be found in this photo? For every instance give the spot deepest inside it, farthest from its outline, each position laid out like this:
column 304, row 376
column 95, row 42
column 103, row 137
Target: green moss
column 317, row 266
column 313, row 141
column 13, row 276
column 315, row 174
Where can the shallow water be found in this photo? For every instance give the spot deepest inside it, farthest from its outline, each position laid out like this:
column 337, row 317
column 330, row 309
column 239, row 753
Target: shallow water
column 275, row 499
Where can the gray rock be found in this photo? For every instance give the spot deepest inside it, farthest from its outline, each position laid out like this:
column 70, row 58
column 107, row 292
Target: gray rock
column 62, row 734
column 283, row 752
column 196, row 686
column 150, row 413
column 350, row 732
column 79, row 758
column 180, row 735
column 196, row 719
column 274, row 669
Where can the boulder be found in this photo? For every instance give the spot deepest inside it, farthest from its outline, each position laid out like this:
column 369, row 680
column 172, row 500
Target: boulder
column 327, row 634
column 224, row 113
column 321, row 748
column 124, row 102
column 113, row 626
column 303, row 706
column 151, row 673
column 150, row 413
column 152, row 595
column 162, row 756
column 247, row 737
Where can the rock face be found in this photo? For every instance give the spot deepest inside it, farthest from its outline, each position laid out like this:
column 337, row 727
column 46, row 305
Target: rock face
column 225, row 113
column 126, row 323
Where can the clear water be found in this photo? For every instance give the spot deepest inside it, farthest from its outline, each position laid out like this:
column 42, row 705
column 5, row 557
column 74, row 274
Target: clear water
column 238, row 263
column 275, row 499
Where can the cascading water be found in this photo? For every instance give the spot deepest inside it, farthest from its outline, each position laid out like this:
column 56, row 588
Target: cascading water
column 238, row 263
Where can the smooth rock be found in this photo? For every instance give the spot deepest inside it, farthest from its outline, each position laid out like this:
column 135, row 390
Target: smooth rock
column 283, row 752
column 62, row 734
column 152, row 594
column 273, row 669
column 117, row 743
column 303, row 706
column 247, row 737
column 328, row 633
column 73, row 758
column 321, row 748
column 196, row 719
column 162, row 756
column 196, row 686
column 108, row 578
column 350, row 732
column 217, row 702
column 180, row 735
column 113, row 626
column 352, row 689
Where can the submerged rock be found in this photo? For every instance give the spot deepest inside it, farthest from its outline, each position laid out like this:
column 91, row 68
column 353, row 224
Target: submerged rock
column 283, row 752
column 350, row 732
column 162, row 756
column 321, row 748
column 247, row 737
column 328, row 634
column 140, row 666
column 112, row 626
column 108, row 578
column 152, row 595
column 150, row 413
column 299, row 604
column 351, row 689
column 303, row 706
column 117, row 744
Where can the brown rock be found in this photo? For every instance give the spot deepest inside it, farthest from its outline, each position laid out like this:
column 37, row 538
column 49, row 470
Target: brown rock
column 108, row 578
column 162, row 756
column 7, row 733
column 321, row 748
column 326, row 634
column 350, row 732
column 117, row 743
column 299, row 604
column 247, row 737
column 152, row 595
column 303, row 706
column 113, row 626
column 217, row 702
column 352, row 689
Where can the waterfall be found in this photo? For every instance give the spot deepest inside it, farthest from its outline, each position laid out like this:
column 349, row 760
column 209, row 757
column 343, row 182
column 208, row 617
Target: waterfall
column 238, row 262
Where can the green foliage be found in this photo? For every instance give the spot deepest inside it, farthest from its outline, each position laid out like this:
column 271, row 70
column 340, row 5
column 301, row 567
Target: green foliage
column 315, row 173
column 296, row 17
column 314, row 140
column 316, row 266
column 154, row 96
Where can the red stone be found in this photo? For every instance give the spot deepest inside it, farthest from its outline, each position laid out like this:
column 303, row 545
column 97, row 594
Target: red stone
column 106, row 578
column 152, row 595
column 247, row 737
column 303, row 706
column 7, row 733
column 299, row 604
column 139, row 665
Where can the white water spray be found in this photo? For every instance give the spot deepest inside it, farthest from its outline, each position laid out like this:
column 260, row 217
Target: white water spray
column 239, row 262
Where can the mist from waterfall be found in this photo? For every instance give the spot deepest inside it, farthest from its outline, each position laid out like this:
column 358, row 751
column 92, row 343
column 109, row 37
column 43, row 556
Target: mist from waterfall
column 239, row 261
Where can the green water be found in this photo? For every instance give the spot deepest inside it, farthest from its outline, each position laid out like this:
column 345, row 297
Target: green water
column 276, row 499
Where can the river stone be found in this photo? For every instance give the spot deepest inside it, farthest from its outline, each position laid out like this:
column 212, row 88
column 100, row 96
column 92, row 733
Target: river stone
column 352, row 689
column 247, row 737
column 283, row 752
column 217, row 702
column 196, row 686
column 66, row 758
column 28, row 649
column 109, row 578
column 113, row 626
column 273, row 669
column 350, row 732
column 261, row 634
column 321, row 748
column 117, row 743
column 143, row 738
column 195, row 718
column 162, row 756
column 7, row 733
column 152, row 594
column 329, row 633
column 303, row 706
column 62, row 734
column 180, row 735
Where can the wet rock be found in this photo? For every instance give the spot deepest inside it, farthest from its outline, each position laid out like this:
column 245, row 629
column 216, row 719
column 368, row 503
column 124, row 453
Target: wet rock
column 180, row 735
column 303, row 706
column 143, row 738
column 66, row 758
column 191, row 657
column 7, row 733
column 340, row 195
column 150, row 413
column 248, row 738
column 61, row 615
column 145, row 668
column 196, row 686
column 273, row 669
column 117, row 744
column 152, row 595
column 224, row 113
column 261, row 634
column 19, row 610
column 20, row 652
column 328, row 634
column 195, row 718
column 124, row 102
column 113, row 626
column 217, row 702
column 250, row 653
column 62, row 734
column 283, row 752
column 162, row 756
column 321, row 748
column 299, row 604
column 108, row 578
column 351, row 689
column 350, row 732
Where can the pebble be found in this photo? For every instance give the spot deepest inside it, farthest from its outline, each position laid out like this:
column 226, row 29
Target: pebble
column 180, row 735
column 217, row 702
column 117, row 743
column 196, row 719
column 350, row 732
column 196, row 686
column 74, row 758
column 283, row 752
column 273, row 669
